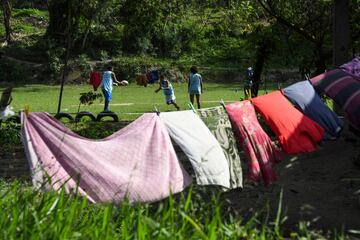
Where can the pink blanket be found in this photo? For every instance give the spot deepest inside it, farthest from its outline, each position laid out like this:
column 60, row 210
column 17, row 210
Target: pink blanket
column 138, row 162
column 261, row 151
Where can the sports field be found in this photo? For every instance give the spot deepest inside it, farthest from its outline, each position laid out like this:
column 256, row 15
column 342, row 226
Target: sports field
column 129, row 102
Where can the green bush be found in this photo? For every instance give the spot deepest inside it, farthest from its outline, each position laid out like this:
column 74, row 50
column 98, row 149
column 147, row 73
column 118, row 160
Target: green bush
column 55, row 55
column 10, row 134
column 14, row 72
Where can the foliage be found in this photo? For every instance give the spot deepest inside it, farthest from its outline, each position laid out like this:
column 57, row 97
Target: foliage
column 55, row 62
column 29, row 4
column 14, row 72
column 88, row 98
column 10, row 134
column 355, row 26
column 304, row 18
column 220, row 33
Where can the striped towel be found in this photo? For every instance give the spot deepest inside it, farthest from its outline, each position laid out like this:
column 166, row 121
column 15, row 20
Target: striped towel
column 344, row 89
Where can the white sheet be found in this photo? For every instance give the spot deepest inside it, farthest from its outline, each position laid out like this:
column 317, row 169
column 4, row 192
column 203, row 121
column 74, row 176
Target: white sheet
column 200, row 146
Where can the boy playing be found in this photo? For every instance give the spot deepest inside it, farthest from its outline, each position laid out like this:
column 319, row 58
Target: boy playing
column 195, row 85
column 168, row 91
column 106, row 86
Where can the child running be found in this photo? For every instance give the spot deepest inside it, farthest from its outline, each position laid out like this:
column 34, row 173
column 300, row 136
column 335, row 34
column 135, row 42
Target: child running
column 106, row 86
column 168, row 91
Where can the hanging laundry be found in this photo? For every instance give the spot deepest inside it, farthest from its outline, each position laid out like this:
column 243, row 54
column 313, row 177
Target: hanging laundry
column 352, row 67
column 259, row 148
column 148, row 76
column 296, row 132
column 200, row 146
column 95, row 80
column 219, row 124
column 344, row 89
column 306, row 99
column 141, row 80
column 123, row 165
column 154, row 76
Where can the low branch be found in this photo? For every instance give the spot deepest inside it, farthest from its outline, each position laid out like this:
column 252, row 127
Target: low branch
column 271, row 11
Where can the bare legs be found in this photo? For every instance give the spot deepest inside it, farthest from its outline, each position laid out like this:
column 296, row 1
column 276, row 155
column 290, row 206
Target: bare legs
column 106, row 106
column 197, row 99
column 177, row 107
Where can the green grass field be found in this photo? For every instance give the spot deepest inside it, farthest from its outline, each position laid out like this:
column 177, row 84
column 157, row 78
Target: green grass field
column 129, row 102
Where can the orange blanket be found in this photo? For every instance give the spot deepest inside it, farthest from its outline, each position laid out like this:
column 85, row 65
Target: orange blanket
column 296, row 132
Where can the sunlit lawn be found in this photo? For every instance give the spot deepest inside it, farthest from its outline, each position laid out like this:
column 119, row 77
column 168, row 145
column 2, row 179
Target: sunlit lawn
column 129, row 102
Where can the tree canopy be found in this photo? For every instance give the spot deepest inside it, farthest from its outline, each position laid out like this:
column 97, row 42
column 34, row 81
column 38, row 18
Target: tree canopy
column 259, row 33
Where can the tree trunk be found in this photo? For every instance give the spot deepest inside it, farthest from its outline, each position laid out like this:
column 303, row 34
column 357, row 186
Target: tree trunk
column 67, row 55
column 87, row 31
column 6, row 5
column 58, row 17
column 341, row 37
column 261, row 56
column 320, row 60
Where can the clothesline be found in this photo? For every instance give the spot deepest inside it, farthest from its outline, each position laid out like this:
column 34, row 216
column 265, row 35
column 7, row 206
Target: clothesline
column 127, row 163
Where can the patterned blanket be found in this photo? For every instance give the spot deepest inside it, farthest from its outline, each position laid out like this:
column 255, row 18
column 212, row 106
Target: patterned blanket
column 217, row 120
column 261, row 151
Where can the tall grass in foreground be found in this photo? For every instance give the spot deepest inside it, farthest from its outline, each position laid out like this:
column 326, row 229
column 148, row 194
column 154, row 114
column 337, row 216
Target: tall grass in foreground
column 28, row 214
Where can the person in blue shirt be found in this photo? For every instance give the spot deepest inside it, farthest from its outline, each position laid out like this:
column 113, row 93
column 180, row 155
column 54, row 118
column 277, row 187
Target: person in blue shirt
column 107, row 82
column 195, row 85
column 168, row 91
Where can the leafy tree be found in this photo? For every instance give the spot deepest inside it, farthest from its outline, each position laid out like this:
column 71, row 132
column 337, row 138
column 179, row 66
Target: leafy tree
column 64, row 16
column 160, row 27
column 309, row 18
column 86, row 16
column 97, row 18
column 354, row 8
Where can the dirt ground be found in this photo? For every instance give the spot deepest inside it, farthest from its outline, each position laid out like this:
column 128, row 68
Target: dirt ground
column 320, row 188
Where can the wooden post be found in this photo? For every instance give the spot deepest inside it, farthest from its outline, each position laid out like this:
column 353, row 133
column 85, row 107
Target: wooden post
column 341, row 35
column 67, row 54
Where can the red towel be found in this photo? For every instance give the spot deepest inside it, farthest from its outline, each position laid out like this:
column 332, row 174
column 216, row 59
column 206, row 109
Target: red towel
column 296, row 132
column 95, row 79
